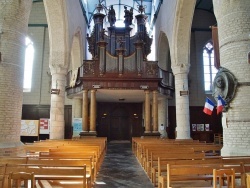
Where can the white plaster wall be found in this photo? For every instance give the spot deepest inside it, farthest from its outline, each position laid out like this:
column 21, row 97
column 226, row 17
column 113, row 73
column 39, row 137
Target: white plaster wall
column 38, row 32
column 200, row 35
column 201, row 22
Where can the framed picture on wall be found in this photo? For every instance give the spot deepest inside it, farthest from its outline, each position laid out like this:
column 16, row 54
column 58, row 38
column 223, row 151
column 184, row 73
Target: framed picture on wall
column 193, row 127
column 206, row 127
column 200, row 127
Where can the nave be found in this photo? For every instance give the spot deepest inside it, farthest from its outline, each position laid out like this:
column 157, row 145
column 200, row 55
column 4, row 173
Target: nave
column 120, row 168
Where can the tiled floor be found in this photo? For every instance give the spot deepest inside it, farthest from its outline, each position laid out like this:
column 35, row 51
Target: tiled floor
column 120, row 169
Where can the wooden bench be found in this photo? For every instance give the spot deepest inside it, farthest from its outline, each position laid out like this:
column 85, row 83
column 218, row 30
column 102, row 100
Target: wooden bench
column 161, row 168
column 195, row 175
column 232, row 160
column 153, row 158
column 48, row 173
column 53, row 161
column 91, row 165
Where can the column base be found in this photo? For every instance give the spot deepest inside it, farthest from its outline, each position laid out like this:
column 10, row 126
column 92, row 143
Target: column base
column 88, row 134
column 149, row 134
column 155, row 132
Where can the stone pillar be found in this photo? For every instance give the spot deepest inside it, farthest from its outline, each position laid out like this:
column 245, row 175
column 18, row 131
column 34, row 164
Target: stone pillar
column 85, row 111
column 57, row 123
column 233, row 20
column 163, row 117
column 155, row 112
column 182, row 102
column 147, row 112
column 14, row 17
column 93, row 112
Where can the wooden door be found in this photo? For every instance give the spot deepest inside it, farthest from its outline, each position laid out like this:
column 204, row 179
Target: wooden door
column 119, row 128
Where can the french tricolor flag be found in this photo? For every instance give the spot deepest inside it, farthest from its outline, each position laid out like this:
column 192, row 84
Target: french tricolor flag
column 209, row 106
column 220, row 104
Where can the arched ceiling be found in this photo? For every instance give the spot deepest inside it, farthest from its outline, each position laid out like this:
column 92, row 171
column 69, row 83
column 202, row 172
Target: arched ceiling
column 206, row 5
column 152, row 8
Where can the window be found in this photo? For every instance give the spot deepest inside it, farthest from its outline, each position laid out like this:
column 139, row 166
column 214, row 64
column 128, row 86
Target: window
column 208, row 66
column 28, row 65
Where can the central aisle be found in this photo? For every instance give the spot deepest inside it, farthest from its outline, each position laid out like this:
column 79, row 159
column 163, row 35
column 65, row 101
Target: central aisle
column 120, row 169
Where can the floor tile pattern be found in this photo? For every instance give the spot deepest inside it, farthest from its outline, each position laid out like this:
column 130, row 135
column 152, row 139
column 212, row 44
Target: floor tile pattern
column 120, row 169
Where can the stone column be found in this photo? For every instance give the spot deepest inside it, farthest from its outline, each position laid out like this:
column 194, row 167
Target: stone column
column 155, row 112
column 163, row 117
column 182, row 102
column 147, row 112
column 85, row 114
column 57, row 123
column 233, row 20
column 14, row 16
column 93, row 112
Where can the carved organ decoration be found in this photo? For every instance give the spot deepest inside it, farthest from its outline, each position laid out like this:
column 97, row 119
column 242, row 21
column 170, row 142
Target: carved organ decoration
column 118, row 43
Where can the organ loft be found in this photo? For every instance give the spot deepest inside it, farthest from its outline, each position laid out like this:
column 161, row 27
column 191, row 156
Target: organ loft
column 119, row 62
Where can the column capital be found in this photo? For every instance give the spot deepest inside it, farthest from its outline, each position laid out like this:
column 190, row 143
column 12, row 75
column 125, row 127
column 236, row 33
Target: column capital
column 58, row 69
column 93, row 90
column 181, row 69
column 155, row 92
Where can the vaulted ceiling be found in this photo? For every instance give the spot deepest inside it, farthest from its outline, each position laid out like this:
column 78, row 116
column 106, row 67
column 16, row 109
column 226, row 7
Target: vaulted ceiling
column 152, row 7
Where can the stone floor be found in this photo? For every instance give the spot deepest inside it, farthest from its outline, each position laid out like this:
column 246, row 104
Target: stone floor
column 120, row 169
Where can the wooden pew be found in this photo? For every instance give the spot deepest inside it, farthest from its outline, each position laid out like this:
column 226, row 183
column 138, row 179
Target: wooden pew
column 195, row 175
column 160, row 170
column 226, row 161
column 74, row 156
column 2, row 174
column 53, row 161
column 152, row 156
column 55, row 173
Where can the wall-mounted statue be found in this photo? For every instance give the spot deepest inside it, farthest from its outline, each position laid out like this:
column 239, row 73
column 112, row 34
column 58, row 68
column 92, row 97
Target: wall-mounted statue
column 224, row 84
column 111, row 16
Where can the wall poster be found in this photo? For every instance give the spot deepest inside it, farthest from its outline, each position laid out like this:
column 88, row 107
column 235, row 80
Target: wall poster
column 193, row 127
column 77, row 126
column 200, row 127
column 29, row 128
column 44, row 125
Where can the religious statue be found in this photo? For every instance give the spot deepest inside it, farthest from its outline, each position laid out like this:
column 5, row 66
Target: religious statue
column 121, row 42
column 102, row 33
column 111, row 16
column 128, row 16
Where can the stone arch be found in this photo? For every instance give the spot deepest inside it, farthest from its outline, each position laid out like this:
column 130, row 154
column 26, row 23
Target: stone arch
column 58, row 34
column 164, row 59
column 180, row 50
column 76, row 50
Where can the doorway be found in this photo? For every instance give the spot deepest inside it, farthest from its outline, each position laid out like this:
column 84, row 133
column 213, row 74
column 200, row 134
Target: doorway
column 119, row 124
column 119, row 121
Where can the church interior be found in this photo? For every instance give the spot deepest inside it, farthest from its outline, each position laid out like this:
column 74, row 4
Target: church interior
column 116, row 85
